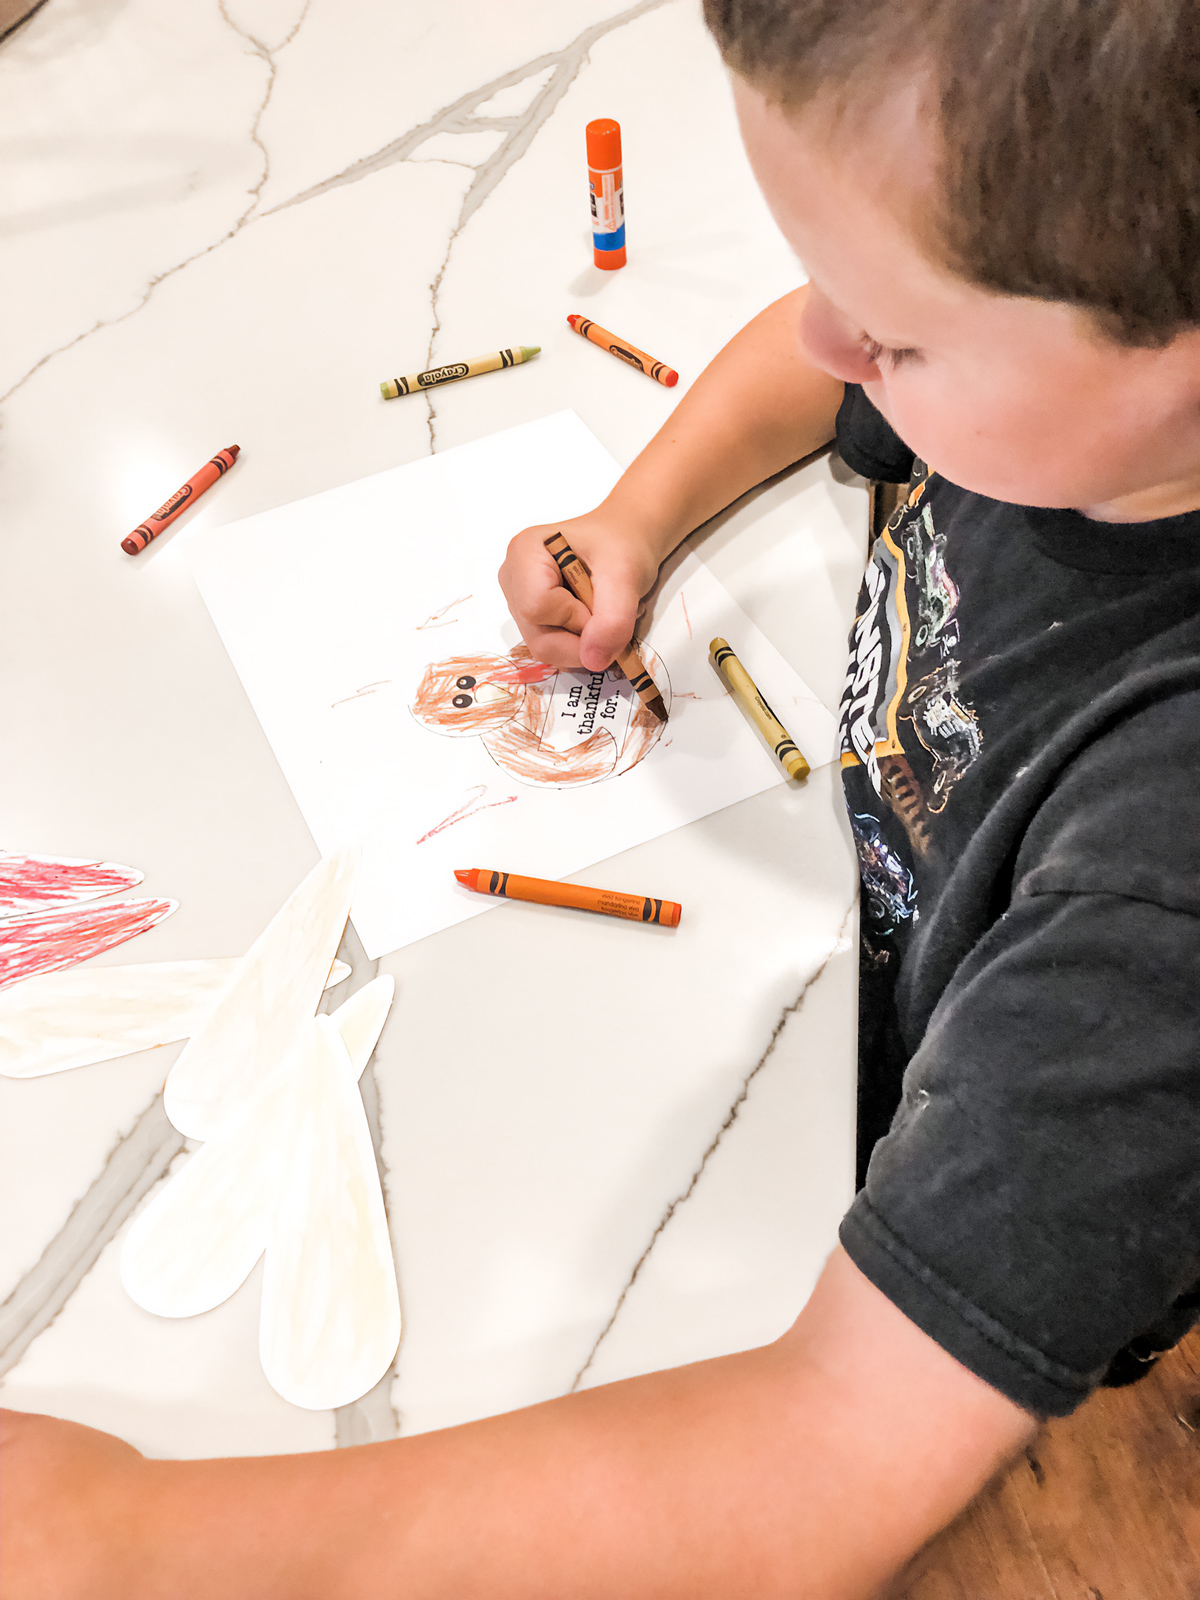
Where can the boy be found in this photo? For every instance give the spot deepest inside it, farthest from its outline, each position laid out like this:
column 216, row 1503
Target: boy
column 997, row 205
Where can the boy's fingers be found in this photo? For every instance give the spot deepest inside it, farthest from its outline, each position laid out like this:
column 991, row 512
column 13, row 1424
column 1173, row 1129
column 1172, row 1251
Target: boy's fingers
column 612, row 621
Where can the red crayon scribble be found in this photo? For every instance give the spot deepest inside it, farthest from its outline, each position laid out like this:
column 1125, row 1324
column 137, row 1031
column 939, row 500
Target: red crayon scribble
column 367, row 688
column 434, row 620
column 469, row 808
column 532, row 672
column 30, row 882
column 686, row 618
column 45, row 941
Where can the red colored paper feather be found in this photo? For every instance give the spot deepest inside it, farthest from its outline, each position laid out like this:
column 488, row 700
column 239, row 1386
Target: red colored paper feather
column 45, row 941
column 29, row 883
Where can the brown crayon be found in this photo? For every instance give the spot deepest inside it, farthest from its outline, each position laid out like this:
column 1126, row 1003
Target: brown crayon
column 545, row 892
column 658, row 370
column 180, row 500
column 577, row 576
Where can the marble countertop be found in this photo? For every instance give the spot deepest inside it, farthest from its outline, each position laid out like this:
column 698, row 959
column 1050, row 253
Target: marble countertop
column 229, row 225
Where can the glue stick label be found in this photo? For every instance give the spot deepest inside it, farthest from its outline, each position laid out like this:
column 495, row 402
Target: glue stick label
column 608, row 208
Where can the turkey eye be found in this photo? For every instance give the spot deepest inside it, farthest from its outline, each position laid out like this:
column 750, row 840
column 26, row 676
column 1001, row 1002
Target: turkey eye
column 462, row 701
column 464, row 683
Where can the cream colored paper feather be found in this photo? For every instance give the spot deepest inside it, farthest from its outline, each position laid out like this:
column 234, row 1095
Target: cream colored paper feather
column 275, row 987
column 83, row 1015
column 292, row 1172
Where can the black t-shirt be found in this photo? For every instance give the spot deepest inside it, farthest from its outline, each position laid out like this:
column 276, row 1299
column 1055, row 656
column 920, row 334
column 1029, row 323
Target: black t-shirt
column 1021, row 759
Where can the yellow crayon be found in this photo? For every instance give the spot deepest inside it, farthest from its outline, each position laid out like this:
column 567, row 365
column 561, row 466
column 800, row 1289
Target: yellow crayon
column 756, row 708
column 454, row 370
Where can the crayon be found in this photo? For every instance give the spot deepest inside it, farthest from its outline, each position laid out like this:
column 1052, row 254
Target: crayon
column 665, row 375
column 756, row 708
column 454, row 370
column 192, row 490
column 543, row 892
column 606, row 185
column 577, row 576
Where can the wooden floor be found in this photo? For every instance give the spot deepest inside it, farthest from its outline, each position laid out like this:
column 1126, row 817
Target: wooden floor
column 1104, row 1505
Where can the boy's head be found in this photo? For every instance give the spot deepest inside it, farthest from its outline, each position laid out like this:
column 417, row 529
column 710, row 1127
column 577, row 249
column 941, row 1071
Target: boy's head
column 1007, row 193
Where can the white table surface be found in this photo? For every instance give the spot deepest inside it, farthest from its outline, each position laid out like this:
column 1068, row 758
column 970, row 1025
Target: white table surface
column 226, row 223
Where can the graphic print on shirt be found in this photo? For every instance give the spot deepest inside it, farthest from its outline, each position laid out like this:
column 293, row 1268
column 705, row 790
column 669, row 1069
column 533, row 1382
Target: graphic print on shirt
column 904, row 718
column 888, row 892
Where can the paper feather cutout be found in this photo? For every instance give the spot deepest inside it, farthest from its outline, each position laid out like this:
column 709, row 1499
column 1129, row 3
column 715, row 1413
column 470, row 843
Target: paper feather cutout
column 275, row 987
column 45, row 941
column 83, row 1015
column 291, row 1172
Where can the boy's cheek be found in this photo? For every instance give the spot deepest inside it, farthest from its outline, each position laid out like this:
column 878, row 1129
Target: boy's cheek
column 831, row 344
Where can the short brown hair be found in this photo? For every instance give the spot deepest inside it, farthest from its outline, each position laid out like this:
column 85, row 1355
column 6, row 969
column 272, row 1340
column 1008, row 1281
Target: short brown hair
column 1069, row 134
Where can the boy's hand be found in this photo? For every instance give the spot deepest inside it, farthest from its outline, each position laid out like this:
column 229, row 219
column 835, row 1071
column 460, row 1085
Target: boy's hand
column 560, row 629
column 72, row 1499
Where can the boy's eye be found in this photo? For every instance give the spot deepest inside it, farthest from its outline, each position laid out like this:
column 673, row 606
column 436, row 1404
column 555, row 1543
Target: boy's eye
column 462, row 701
column 885, row 355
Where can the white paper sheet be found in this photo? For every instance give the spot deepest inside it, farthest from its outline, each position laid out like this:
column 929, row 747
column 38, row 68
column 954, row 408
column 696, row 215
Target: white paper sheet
column 333, row 610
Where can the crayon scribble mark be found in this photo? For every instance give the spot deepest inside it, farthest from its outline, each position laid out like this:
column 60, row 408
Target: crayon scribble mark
column 367, row 688
column 731, row 1116
column 563, row 67
column 434, row 620
column 469, row 808
column 267, row 54
column 686, row 618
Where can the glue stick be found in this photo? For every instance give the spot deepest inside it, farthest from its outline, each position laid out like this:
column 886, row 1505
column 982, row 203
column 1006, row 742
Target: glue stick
column 607, row 186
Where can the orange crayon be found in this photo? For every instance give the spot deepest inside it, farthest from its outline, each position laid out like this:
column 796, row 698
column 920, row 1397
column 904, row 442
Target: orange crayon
column 606, row 184
column 545, row 892
column 182, row 498
column 624, row 351
column 577, row 576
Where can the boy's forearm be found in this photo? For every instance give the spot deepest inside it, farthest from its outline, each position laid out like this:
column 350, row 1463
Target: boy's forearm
column 757, row 407
column 812, row 1467
column 675, row 1485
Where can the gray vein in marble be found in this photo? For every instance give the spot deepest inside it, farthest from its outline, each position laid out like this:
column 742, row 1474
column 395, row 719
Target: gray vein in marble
column 455, row 118
column 371, row 1417
column 731, row 1116
column 520, row 131
column 135, row 1165
column 267, row 55
column 137, row 1162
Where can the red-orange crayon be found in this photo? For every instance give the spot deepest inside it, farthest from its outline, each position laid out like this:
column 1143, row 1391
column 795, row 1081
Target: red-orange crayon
column 661, row 373
column 180, row 500
column 545, row 892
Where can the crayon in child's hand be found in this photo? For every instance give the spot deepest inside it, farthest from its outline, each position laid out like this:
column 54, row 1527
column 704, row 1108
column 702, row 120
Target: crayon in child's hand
column 577, row 576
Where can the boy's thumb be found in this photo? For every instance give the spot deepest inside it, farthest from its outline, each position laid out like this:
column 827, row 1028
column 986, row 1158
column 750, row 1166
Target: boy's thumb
column 614, row 616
